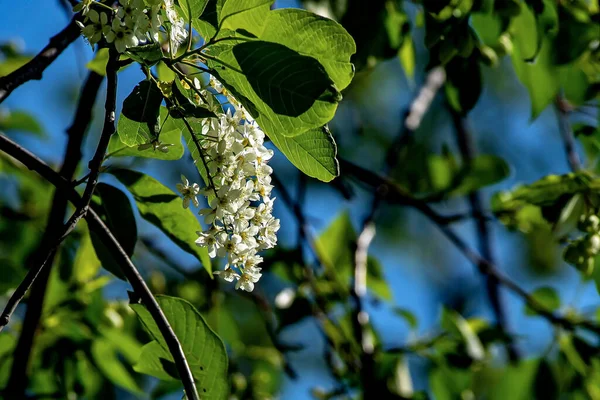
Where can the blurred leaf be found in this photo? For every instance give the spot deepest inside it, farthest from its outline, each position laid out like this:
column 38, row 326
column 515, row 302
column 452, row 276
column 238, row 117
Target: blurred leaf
column 105, row 358
column 408, row 316
column 163, row 208
column 204, row 350
column 546, row 297
column 453, row 321
column 114, row 208
column 21, row 121
column 98, row 63
column 86, row 264
column 448, row 383
column 516, row 381
column 13, row 63
column 545, row 192
column 540, row 77
column 463, row 84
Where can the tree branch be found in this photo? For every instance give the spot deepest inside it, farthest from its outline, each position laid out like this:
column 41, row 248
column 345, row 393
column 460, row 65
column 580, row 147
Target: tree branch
column 105, row 235
column 392, row 193
column 34, row 68
column 76, row 132
column 467, row 150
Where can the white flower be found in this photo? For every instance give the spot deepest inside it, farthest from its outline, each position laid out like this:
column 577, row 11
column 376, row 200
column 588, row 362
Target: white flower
column 240, row 209
column 121, row 36
column 249, row 277
column 189, row 192
column 97, row 25
column 212, row 240
column 228, row 274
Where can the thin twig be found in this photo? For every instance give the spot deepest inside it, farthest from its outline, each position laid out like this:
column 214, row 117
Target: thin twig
column 467, row 150
column 562, row 109
column 107, row 131
column 34, row 68
column 121, row 258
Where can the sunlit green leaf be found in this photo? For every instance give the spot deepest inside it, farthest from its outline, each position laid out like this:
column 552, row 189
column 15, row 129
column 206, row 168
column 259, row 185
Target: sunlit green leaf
column 163, row 208
column 204, row 350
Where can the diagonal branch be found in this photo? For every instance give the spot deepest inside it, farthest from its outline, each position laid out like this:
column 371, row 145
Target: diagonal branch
column 467, row 150
column 34, row 68
column 395, row 195
column 105, row 235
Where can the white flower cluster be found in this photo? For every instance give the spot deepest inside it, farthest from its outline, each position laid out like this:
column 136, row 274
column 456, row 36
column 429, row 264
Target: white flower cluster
column 240, row 216
column 133, row 22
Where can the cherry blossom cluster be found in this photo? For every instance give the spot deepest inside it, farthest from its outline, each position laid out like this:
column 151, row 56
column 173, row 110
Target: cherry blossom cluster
column 131, row 23
column 239, row 218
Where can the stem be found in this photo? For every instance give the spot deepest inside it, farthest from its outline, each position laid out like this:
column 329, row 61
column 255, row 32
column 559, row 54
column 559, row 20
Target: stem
column 107, row 131
column 122, row 259
column 34, row 68
column 566, row 133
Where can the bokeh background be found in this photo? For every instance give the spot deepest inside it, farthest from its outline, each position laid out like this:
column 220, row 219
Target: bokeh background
column 422, row 268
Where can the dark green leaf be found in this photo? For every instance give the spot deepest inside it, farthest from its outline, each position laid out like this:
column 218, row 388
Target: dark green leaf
column 170, row 134
column 204, row 350
column 292, row 93
column 163, row 208
column 114, row 208
column 139, row 119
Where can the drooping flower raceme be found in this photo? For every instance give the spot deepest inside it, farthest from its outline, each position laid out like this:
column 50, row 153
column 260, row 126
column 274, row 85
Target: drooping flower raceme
column 132, row 23
column 239, row 217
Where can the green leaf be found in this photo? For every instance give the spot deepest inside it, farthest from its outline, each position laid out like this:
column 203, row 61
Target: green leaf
column 312, row 152
column 516, row 381
column 540, row 77
column 545, row 192
column 196, row 6
column 152, row 361
column 163, row 208
column 291, row 93
column 147, row 55
column 114, row 208
column 86, row 264
column 105, row 358
column 203, row 349
column 139, row 119
column 464, row 84
column 408, row 316
column 170, row 133
column 483, row 170
column 242, row 14
column 22, row 121
column 330, row 43
column 181, row 105
column 546, row 297
column 98, row 63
